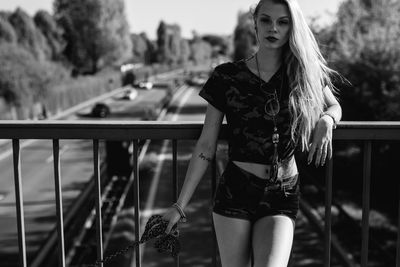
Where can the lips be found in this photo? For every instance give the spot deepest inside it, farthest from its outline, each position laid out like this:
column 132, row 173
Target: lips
column 272, row 39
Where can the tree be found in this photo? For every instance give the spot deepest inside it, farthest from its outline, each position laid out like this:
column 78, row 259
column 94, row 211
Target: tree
column 168, row 43
column 7, row 33
column 96, row 31
column 185, row 52
column 23, row 79
column 28, row 36
column 365, row 44
column 150, row 54
column 219, row 44
column 115, row 35
column 52, row 32
column 244, row 37
column 139, row 47
column 200, row 50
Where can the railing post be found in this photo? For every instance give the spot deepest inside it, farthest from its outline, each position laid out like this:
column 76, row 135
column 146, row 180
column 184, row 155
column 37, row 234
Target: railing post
column 59, row 207
column 328, row 212
column 213, row 188
column 136, row 200
column 398, row 230
column 175, row 179
column 19, row 202
column 366, row 200
column 98, row 201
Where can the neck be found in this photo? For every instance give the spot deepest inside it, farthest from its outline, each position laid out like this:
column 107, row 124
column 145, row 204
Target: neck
column 269, row 60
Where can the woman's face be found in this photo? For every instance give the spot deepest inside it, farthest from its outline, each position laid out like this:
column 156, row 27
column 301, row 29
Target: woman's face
column 273, row 24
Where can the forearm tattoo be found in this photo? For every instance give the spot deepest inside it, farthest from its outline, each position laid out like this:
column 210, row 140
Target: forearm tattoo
column 204, row 157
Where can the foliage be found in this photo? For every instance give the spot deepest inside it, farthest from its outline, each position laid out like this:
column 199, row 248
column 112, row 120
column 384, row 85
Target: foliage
column 28, row 36
column 244, row 37
column 70, row 92
column 139, row 47
column 219, row 44
column 96, row 31
column 150, row 54
column 364, row 45
column 168, row 43
column 23, row 79
column 185, row 52
column 7, row 33
column 52, row 32
column 200, row 50
column 117, row 44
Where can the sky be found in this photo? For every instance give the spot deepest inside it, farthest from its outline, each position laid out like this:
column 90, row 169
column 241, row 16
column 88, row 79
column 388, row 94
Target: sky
column 203, row 16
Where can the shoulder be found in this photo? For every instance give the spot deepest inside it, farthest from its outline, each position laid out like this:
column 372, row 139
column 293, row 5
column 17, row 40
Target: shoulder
column 227, row 69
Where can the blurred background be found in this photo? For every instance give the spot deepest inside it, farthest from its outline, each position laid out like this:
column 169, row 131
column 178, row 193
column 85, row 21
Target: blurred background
column 56, row 54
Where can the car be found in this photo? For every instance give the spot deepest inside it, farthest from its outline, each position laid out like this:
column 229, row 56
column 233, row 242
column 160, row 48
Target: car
column 145, row 85
column 100, row 110
column 196, row 81
column 130, row 94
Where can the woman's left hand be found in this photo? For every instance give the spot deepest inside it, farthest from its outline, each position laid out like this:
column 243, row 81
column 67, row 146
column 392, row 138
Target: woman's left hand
column 321, row 146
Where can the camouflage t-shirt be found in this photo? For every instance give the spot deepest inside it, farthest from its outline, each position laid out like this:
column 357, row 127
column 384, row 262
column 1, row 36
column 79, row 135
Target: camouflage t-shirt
column 234, row 89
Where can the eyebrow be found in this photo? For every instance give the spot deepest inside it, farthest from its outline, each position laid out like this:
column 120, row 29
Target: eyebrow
column 283, row 17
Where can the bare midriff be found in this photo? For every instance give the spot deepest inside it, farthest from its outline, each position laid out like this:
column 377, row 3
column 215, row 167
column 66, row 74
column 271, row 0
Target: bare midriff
column 262, row 170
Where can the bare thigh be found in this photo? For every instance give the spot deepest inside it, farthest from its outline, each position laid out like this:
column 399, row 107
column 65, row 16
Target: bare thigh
column 233, row 237
column 272, row 241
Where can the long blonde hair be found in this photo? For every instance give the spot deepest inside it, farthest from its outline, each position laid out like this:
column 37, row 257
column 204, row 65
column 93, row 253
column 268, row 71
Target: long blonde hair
column 308, row 74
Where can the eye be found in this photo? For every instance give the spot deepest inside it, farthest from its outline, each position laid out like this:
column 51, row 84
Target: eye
column 265, row 20
column 283, row 22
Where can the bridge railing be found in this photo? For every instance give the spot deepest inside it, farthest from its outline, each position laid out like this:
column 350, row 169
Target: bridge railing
column 367, row 132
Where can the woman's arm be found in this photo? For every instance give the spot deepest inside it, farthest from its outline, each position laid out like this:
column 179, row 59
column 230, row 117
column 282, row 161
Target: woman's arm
column 321, row 145
column 202, row 155
column 334, row 110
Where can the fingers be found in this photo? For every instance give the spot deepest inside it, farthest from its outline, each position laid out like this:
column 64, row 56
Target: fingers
column 311, row 153
column 169, row 227
column 324, row 153
column 172, row 218
column 320, row 152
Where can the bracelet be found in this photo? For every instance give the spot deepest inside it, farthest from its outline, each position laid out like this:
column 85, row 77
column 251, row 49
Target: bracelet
column 330, row 115
column 180, row 210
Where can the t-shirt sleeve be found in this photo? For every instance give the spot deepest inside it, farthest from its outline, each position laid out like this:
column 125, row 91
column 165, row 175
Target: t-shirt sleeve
column 214, row 90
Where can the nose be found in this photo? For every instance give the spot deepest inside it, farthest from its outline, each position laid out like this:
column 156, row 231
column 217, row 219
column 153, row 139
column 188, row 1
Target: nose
column 273, row 27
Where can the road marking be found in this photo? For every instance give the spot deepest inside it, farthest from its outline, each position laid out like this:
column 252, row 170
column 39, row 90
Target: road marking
column 156, row 178
column 22, row 145
column 155, row 181
column 62, row 150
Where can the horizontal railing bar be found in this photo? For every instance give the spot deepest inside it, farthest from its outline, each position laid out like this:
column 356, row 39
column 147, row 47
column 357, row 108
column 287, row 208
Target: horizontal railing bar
column 121, row 130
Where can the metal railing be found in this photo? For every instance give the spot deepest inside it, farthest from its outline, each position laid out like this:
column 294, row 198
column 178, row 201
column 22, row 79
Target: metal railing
column 135, row 131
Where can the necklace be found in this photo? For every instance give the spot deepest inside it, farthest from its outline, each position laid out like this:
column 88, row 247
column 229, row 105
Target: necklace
column 272, row 108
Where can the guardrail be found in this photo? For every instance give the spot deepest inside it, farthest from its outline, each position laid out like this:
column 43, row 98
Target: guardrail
column 117, row 130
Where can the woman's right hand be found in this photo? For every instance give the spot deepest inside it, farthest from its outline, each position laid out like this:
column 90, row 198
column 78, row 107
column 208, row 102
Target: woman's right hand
column 172, row 216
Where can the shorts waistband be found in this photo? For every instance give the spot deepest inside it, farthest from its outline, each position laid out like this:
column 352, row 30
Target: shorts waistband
column 286, row 182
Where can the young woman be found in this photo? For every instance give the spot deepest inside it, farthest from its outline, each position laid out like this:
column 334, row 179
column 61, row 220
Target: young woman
column 278, row 99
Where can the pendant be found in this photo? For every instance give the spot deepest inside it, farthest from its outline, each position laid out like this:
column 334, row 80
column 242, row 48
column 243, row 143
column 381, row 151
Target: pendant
column 275, row 138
